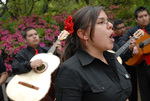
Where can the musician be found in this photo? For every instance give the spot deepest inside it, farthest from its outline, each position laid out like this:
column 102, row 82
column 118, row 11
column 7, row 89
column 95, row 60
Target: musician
column 120, row 29
column 22, row 64
column 89, row 72
column 3, row 72
column 142, row 16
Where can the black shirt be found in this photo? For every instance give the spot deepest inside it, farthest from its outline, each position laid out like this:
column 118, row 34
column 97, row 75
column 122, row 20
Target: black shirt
column 2, row 66
column 85, row 78
column 21, row 62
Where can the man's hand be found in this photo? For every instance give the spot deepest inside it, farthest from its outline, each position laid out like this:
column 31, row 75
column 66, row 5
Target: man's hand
column 133, row 46
column 127, row 100
column 36, row 63
column 135, row 50
column 3, row 77
column 58, row 48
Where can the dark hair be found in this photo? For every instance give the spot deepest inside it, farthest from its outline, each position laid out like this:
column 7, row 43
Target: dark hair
column 117, row 22
column 24, row 33
column 140, row 9
column 81, row 19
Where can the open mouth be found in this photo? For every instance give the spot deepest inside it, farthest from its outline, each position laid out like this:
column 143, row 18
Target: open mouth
column 111, row 37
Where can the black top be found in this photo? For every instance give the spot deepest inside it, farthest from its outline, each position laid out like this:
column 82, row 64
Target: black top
column 21, row 62
column 126, row 55
column 2, row 66
column 85, row 78
column 116, row 38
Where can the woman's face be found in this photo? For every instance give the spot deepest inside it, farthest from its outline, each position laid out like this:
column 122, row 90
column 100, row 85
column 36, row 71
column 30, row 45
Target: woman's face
column 103, row 34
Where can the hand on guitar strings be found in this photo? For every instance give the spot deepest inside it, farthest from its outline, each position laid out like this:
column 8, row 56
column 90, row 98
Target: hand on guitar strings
column 135, row 50
column 133, row 46
column 59, row 48
column 36, row 63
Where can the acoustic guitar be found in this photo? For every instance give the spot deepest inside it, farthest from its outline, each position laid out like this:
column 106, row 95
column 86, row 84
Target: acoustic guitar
column 136, row 36
column 34, row 85
column 143, row 47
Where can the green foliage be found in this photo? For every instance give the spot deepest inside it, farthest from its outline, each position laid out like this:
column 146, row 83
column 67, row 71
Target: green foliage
column 40, row 32
column 5, row 16
column 56, row 7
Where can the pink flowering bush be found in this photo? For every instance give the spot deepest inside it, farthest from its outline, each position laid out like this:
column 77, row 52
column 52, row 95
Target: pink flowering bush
column 11, row 40
column 121, row 12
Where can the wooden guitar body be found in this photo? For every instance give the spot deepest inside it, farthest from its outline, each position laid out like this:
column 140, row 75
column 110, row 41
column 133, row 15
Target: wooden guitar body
column 33, row 86
column 137, row 59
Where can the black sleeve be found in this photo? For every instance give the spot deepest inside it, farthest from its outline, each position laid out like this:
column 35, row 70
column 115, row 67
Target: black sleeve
column 126, row 55
column 115, row 47
column 20, row 64
column 2, row 65
column 67, row 85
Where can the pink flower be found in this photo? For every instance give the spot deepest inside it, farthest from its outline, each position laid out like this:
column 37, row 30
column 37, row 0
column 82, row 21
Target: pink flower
column 42, row 44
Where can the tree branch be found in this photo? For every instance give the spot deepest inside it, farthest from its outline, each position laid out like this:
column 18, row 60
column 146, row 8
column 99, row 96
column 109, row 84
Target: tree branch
column 5, row 8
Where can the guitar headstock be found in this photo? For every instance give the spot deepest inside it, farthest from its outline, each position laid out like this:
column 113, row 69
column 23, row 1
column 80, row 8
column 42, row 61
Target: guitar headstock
column 138, row 34
column 63, row 35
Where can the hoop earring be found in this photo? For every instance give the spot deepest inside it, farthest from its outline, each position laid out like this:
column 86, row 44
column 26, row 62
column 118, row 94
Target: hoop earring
column 86, row 42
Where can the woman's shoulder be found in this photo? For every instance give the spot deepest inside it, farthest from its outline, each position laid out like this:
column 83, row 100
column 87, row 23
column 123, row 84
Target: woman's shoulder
column 71, row 62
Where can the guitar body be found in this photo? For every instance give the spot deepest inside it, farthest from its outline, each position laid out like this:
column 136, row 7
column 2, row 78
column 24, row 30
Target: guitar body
column 137, row 59
column 42, row 80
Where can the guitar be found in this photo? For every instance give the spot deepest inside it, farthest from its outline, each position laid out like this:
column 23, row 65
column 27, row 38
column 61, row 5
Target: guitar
column 34, row 85
column 143, row 48
column 136, row 36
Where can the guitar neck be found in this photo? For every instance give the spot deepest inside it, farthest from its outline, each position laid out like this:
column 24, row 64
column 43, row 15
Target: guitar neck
column 124, row 47
column 52, row 49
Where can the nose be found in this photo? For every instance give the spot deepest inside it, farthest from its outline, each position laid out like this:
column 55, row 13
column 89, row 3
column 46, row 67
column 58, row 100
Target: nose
column 144, row 17
column 109, row 25
column 34, row 36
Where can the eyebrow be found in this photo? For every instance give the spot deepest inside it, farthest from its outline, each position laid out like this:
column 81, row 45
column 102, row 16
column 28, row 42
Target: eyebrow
column 102, row 18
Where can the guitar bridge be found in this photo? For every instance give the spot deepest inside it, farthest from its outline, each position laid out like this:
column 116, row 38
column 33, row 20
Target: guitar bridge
column 28, row 85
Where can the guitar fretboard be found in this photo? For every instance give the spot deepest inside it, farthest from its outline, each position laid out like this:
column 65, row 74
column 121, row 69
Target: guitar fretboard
column 124, row 47
column 52, row 49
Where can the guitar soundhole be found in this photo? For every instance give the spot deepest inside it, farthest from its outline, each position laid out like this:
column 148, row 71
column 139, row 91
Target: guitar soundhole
column 42, row 68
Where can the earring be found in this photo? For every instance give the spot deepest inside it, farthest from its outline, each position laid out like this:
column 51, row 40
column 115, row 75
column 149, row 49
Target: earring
column 86, row 42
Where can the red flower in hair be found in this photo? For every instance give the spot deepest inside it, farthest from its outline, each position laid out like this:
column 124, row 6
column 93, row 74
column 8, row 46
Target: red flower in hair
column 69, row 25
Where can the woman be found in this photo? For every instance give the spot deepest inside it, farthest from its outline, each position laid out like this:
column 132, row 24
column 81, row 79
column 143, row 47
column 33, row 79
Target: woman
column 88, row 71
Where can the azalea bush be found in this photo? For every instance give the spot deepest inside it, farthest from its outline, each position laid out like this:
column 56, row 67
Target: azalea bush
column 11, row 40
column 121, row 12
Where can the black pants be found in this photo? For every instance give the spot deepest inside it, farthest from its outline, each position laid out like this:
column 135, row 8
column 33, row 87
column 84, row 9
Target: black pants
column 143, row 73
column 132, row 71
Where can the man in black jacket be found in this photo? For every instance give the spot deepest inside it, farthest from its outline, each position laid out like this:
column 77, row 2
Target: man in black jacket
column 142, row 16
column 3, row 75
column 120, row 29
column 22, row 63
